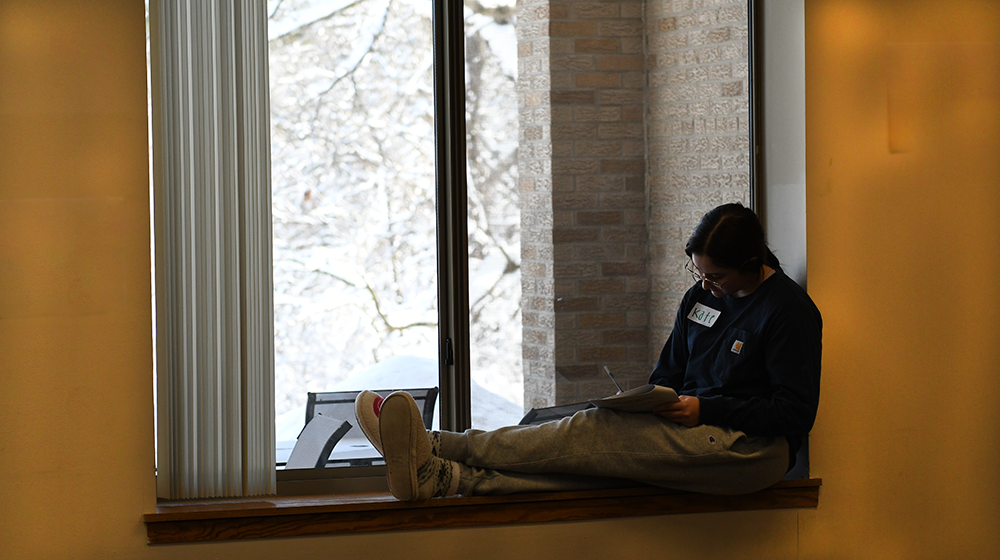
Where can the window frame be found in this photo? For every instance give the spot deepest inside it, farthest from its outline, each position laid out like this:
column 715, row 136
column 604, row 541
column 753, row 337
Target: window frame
column 451, row 190
column 777, row 103
column 777, row 56
column 452, row 193
column 454, row 365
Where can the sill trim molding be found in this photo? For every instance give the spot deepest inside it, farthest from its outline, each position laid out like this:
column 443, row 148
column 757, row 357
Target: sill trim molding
column 272, row 517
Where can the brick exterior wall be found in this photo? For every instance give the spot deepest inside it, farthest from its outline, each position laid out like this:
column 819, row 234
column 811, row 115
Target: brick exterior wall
column 698, row 134
column 633, row 122
column 534, row 163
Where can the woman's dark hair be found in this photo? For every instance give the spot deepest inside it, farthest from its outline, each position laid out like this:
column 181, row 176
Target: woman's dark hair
column 731, row 235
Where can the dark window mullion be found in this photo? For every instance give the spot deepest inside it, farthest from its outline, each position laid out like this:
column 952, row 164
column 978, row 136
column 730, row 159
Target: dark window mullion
column 452, row 211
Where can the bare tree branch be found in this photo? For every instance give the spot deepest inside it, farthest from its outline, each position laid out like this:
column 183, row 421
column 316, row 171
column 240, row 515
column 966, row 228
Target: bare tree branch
column 277, row 6
column 385, row 320
column 322, row 16
column 358, row 59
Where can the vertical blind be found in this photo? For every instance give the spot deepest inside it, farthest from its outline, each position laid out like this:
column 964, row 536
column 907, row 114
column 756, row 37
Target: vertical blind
column 212, row 212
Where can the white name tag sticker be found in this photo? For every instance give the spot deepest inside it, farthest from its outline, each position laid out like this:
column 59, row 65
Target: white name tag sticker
column 703, row 315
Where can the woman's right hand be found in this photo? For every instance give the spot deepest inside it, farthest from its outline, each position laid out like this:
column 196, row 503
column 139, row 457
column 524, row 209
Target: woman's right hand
column 685, row 411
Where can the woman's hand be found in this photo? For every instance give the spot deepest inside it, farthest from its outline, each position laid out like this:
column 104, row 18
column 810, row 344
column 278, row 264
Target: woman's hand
column 685, row 412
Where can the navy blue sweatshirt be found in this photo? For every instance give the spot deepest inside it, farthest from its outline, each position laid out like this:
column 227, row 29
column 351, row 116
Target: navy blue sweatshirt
column 756, row 368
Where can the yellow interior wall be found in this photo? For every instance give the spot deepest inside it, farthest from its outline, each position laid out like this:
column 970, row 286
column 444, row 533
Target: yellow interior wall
column 903, row 220
column 903, row 249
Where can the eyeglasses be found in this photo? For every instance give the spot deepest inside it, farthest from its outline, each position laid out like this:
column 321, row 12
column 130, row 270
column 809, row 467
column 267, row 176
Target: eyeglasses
column 699, row 276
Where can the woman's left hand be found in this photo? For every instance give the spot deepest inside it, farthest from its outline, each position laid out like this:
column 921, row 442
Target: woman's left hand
column 684, row 412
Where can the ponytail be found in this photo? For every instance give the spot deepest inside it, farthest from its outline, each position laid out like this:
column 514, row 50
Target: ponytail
column 732, row 236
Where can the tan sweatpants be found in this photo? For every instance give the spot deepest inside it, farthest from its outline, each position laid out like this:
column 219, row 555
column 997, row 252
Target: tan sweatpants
column 599, row 448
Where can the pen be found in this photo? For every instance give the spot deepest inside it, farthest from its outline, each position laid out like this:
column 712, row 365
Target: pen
column 613, row 379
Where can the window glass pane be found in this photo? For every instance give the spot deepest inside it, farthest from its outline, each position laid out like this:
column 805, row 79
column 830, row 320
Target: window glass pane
column 494, row 216
column 352, row 149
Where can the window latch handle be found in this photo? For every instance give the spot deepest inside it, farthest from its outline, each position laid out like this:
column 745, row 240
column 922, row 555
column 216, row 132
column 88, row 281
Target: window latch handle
column 449, row 353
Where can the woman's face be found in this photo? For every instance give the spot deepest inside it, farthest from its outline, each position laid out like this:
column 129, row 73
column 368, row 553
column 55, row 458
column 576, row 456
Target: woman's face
column 723, row 281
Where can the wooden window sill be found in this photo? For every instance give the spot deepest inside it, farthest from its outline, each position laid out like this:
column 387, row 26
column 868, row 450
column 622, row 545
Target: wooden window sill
column 256, row 518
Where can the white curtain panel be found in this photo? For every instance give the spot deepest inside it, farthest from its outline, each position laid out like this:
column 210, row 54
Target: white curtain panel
column 212, row 211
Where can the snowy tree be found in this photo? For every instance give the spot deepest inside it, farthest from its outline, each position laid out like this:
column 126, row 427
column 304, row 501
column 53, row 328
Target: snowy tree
column 353, row 190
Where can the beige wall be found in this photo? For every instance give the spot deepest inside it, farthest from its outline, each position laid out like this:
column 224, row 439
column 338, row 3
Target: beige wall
column 903, row 249
column 903, row 218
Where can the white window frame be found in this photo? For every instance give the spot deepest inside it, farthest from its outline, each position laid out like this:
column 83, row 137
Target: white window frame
column 778, row 95
column 780, row 129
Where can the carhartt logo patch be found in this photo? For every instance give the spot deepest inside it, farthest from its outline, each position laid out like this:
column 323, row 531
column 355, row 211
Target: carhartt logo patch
column 703, row 315
column 737, row 347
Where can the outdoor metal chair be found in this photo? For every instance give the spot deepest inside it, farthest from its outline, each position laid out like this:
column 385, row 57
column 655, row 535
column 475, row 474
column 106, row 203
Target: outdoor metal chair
column 340, row 404
column 316, row 442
